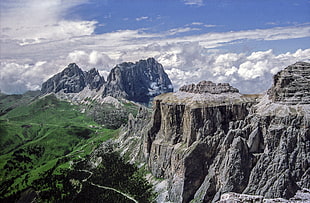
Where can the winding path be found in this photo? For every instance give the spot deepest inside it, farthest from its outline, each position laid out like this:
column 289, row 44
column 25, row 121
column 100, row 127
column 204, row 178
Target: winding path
column 115, row 190
column 105, row 187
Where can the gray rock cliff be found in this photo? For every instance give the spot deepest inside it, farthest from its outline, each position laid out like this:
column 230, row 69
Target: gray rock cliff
column 210, row 142
column 139, row 82
column 292, row 85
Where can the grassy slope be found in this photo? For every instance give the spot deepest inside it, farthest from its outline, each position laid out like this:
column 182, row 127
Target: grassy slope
column 42, row 135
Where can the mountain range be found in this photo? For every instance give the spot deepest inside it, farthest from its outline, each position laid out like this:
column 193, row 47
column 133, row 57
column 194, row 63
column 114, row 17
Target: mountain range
column 138, row 82
column 206, row 142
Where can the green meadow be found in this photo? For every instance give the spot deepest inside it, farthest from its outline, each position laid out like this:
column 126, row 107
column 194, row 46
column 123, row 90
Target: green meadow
column 41, row 140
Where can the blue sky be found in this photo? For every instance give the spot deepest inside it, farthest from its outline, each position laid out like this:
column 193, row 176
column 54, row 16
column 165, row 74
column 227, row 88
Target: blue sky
column 243, row 42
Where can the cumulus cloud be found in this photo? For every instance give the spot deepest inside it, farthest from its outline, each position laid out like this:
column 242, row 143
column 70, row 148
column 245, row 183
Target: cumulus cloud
column 35, row 21
column 18, row 78
column 90, row 59
column 251, row 73
column 38, row 44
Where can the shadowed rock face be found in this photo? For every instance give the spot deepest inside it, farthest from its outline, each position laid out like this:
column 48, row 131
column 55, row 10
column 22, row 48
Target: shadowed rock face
column 292, row 85
column 72, row 80
column 208, row 144
column 93, row 79
column 139, row 82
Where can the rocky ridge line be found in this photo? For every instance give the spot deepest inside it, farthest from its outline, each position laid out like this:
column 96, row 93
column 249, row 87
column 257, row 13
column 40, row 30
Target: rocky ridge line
column 73, row 80
column 139, row 82
column 208, row 87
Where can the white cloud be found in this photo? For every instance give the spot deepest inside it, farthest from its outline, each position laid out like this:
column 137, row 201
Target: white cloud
column 197, row 23
column 250, row 73
column 17, row 78
column 194, row 2
column 209, row 25
column 181, row 30
column 51, row 42
column 78, row 56
column 35, row 21
column 142, row 18
column 91, row 59
column 249, row 70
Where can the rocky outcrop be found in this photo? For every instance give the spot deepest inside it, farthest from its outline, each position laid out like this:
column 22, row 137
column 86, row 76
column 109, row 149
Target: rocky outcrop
column 208, row 87
column 72, row 80
column 292, row 85
column 139, row 82
column 207, row 144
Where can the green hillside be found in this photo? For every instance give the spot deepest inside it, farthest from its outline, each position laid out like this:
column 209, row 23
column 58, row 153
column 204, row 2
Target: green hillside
column 42, row 140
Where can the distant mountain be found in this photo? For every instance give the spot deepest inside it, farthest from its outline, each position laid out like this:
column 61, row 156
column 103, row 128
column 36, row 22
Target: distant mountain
column 139, row 82
column 208, row 139
column 72, row 80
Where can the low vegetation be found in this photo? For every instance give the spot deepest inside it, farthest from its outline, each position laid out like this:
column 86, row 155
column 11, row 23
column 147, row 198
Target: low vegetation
column 41, row 142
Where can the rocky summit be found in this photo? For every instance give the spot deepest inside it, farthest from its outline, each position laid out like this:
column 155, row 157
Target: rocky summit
column 292, row 85
column 139, row 82
column 204, row 142
column 72, row 80
column 208, row 87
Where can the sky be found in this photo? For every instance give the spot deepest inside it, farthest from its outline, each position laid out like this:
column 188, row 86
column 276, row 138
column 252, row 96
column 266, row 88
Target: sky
column 242, row 42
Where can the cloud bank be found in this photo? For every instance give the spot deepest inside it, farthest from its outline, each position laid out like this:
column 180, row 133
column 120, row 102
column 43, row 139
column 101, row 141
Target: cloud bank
column 36, row 44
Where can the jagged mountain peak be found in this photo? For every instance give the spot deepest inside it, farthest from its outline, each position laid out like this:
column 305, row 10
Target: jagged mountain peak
column 72, row 80
column 139, row 82
column 94, row 79
column 72, row 69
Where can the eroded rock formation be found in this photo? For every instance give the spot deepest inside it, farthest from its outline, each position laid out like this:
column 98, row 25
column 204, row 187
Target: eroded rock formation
column 207, row 143
column 208, row 87
column 292, row 85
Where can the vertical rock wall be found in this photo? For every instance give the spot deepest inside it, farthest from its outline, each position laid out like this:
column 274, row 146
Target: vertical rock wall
column 210, row 143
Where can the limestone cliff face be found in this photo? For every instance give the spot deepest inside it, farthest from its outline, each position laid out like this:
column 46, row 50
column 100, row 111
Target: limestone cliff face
column 207, row 144
column 188, row 134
